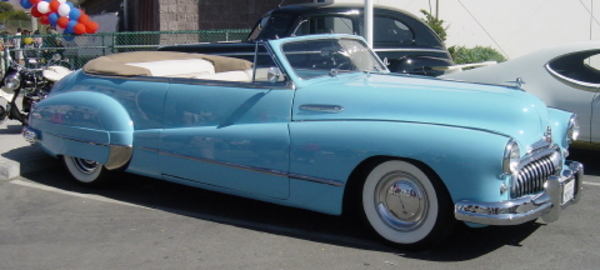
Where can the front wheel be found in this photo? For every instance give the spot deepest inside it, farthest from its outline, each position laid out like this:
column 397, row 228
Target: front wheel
column 406, row 206
column 86, row 172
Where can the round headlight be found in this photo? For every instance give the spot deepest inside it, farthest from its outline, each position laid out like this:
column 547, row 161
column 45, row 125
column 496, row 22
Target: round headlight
column 12, row 82
column 573, row 129
column 512, row 157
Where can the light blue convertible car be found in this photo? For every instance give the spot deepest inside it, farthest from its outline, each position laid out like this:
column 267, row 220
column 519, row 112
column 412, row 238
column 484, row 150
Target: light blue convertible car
column 317, row 122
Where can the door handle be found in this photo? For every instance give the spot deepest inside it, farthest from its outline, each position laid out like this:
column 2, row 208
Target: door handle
column 322, row 108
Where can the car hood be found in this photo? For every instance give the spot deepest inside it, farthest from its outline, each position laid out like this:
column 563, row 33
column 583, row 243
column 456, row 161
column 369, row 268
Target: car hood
column 496, row 109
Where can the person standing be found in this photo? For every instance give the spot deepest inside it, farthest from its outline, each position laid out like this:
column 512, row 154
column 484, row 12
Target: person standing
column 2, row 57
column 17, row 47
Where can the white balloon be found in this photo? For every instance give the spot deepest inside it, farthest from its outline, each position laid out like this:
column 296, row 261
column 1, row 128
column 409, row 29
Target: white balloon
column 43, row 7
column 62, row 1
column 63, row 10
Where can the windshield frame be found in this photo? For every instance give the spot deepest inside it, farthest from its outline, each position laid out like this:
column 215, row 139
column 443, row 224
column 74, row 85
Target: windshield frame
column 292, row 68
column 265, row 27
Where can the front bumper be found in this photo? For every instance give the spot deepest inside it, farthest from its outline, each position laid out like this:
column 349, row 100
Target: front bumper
column 548, row 205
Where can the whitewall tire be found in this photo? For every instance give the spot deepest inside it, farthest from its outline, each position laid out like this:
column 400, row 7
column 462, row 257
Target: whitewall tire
column 85, row 171
column 404, row 205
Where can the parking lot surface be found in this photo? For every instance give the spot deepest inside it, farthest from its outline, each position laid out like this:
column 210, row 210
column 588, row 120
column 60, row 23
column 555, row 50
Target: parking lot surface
column 49, row 222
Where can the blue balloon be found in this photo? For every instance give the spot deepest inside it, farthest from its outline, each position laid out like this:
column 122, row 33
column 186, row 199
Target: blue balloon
column 68, row 35
column 70, row 26
column 53, row 18
column 71, row 5
column 26, row 4
column 74, row 14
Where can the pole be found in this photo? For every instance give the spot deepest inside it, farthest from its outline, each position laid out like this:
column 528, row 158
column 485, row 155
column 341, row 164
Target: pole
column 369, row 22
column 125, row 16
column 34, row 23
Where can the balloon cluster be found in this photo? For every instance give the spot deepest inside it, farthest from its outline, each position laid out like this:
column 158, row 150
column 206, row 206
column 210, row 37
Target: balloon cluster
column 63, row 15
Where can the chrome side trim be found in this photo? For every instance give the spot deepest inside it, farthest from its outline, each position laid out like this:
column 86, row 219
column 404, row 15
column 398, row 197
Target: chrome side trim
column 405, row 121
column 76, row 139
column 119, row 155
column 238, row 166
column 408, row 50
column 517, row 211
column 191, row 81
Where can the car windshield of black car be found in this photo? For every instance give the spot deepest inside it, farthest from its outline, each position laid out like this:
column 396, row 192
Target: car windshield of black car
column 273, row 26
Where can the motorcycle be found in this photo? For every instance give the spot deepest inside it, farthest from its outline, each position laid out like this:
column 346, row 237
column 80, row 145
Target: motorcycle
column 33, row 84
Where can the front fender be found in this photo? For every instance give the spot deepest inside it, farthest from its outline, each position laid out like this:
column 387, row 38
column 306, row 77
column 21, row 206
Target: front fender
column 85, row 124
column 468, row 161
column 559, row 121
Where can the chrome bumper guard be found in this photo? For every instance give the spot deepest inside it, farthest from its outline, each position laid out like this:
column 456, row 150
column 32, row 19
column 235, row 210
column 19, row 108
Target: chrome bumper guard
column 547, row 205
column 29, row 135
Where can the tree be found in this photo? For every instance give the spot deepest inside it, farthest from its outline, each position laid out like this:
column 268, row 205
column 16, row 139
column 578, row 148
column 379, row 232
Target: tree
column 436, row 24
column 464, row 55
column 6, row 7
column 14, row 15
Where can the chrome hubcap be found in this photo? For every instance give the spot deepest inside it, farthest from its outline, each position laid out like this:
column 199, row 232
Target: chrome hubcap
column 86, row 166
column 401, row 201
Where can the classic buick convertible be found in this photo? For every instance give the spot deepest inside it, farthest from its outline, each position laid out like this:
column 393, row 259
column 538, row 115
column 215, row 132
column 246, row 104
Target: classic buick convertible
column 317, row 122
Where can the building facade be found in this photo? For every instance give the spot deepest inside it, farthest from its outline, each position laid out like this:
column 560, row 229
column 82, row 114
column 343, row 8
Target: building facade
column 176, row 15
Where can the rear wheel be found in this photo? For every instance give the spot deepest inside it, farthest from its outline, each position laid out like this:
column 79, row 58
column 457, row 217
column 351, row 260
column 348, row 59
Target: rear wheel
column 406, row 206
column 86, row 172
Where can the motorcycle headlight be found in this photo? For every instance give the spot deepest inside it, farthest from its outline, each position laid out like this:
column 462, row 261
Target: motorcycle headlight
column 512, row 157
column 12, row 81
column 573, row 129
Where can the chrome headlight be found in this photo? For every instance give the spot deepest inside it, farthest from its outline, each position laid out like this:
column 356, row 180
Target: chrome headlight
column 12, row 81
column 512, row 157
column 573, row 129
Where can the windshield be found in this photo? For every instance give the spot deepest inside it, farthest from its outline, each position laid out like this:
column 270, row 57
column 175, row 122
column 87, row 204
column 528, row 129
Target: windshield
column 329, row 57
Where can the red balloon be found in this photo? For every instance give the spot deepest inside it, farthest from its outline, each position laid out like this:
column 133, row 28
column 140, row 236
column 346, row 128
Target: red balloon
column 83, row 18
column 35, row 12
column 44, row 19
column 34, row 2
column 79, row 29
column 91, row 27
column 54, row 4
column 62, row 22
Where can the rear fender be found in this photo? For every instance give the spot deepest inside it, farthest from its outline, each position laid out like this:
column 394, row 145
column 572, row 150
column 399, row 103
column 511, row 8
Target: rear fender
column 87, row 125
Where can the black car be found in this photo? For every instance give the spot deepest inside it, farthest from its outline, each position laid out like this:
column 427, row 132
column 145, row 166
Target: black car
column 403, row 41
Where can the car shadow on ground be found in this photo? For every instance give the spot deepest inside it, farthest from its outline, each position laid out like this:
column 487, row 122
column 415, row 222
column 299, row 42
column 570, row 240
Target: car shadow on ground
column 11, row 129
column 464, row 244
column 589, row 158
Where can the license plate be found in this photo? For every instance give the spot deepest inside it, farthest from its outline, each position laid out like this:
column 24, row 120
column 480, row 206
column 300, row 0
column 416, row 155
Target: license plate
column 568, row 191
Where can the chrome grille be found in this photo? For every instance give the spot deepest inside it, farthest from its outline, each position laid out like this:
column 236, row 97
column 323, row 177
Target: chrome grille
column 532, row 177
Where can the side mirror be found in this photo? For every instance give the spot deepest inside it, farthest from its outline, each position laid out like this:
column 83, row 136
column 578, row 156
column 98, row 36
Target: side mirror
column 274, row 75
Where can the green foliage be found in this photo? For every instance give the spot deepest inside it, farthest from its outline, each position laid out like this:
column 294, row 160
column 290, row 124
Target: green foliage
column 436, row 24
column 14, row 15
column 5, row 7
column 464, row 55
column 11, row 19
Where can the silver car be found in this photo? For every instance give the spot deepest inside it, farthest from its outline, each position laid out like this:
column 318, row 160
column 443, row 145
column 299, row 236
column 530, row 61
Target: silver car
column 564, row 77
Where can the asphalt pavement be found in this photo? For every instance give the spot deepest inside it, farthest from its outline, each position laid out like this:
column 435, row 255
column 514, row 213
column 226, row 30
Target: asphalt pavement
column 17, row 156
